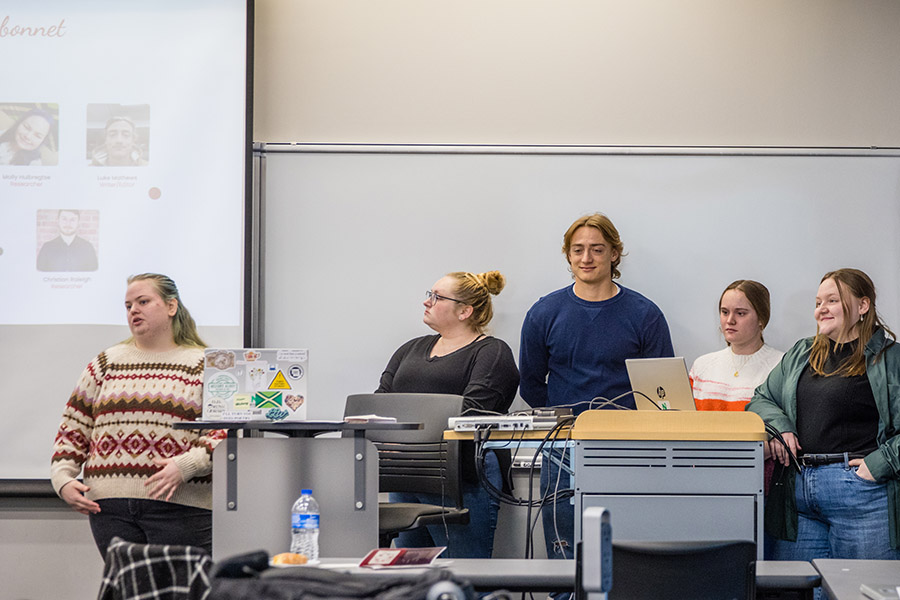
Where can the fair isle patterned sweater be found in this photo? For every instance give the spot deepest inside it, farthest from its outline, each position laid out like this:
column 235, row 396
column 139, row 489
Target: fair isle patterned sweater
column 119, row 418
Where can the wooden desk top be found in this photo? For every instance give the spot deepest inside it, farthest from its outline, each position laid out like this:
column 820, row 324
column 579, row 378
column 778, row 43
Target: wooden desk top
column 657, row 425
column 665, row 425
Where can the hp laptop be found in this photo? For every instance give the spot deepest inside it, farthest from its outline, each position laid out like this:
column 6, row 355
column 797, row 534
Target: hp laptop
column 664, row 380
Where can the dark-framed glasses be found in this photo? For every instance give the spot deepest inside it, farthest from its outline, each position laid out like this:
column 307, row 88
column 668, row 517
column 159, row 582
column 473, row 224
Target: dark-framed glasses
column 432, row 297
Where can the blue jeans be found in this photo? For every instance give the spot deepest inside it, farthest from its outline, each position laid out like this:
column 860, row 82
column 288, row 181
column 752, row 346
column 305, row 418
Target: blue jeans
column 840, row 515
column 151, row 522
column 559, row 528
column 475, row 540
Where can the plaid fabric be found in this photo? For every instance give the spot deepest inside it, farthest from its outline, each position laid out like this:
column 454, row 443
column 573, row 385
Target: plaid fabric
column 321, row 584
column 154, row 572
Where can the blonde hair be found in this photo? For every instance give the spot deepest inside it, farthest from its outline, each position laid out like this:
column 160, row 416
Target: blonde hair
column 476, row 291
column 602, row 223
column 184, row 329
column 860, row 285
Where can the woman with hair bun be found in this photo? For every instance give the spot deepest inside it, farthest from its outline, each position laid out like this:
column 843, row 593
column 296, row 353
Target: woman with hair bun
column 460, row 359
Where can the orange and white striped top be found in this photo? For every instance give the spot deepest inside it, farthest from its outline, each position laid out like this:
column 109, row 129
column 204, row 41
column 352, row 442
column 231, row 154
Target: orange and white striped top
column 723, row 380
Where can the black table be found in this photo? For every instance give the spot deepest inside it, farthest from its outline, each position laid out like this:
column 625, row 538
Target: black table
column 296, row 429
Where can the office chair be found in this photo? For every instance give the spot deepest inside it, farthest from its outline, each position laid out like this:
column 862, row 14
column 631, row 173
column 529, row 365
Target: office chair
column 414, row 460
column 717, row 570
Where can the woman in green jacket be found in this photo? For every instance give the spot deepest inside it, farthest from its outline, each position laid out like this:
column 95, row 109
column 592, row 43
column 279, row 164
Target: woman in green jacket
column 835, row 399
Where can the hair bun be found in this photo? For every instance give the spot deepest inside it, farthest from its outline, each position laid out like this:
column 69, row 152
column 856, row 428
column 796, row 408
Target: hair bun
column 494, row 281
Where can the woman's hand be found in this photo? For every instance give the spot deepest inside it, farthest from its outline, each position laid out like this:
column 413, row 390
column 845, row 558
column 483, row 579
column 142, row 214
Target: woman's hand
column 165, row 481
column 778, row 450
column 863, row 470
column 74, row 495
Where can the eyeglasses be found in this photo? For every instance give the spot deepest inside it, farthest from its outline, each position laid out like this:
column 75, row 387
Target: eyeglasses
column 432, row 296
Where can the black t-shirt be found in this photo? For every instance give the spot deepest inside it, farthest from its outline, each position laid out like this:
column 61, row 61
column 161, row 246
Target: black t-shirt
column 483, row 372
column 836, row 414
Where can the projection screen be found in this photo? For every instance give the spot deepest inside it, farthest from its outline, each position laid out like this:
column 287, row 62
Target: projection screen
column 123, row 149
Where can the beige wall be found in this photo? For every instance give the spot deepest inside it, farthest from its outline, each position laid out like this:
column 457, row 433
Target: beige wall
column 602, row 72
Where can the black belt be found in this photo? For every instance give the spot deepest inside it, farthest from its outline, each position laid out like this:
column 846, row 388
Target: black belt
column 816, row 460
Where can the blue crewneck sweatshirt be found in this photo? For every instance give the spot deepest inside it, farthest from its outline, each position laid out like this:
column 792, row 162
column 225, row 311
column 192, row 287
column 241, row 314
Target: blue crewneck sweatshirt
column 574, row 350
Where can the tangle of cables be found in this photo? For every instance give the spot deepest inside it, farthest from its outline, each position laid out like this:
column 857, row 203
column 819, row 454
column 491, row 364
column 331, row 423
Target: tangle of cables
column 558, row 438
column 776, row 435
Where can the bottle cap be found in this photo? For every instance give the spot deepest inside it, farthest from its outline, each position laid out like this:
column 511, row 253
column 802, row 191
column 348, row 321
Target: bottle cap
column 306, row 492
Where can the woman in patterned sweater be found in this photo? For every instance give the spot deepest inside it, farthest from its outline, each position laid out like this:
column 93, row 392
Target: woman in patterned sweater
column 144, row 481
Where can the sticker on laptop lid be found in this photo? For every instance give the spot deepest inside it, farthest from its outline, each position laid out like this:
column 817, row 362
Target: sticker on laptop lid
column 279, row 382
column 221, row 385
column 292, row 355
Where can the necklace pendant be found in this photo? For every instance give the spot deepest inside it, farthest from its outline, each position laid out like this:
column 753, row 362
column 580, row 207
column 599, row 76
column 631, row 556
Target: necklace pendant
column 735, row 373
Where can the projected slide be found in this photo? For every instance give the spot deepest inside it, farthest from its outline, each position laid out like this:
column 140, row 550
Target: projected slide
column 122, row 129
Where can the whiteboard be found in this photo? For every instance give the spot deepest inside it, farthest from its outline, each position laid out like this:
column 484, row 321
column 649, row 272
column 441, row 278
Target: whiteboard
column 353, row 239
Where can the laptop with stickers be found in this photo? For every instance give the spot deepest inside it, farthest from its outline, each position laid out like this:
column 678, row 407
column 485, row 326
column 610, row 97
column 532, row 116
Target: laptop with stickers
column 664, row 380
column 255, row 384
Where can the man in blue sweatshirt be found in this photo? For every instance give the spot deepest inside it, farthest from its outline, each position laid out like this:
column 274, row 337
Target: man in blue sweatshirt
column 574, row 345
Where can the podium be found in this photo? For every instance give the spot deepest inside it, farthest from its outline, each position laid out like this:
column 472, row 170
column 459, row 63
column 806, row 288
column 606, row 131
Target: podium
column 672, row 475
column 256, row 480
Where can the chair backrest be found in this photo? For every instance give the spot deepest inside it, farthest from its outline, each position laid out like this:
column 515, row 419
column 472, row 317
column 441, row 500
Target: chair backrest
column 414, row 460
column 720, row 570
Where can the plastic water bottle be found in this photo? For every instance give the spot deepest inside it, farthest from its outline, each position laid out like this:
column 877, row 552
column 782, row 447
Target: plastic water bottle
column 305, row 526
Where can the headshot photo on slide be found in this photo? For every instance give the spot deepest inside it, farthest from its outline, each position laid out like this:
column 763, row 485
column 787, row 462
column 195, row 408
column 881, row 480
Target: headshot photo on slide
column 118, row 135
column 67, row 240
column 29, row 134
